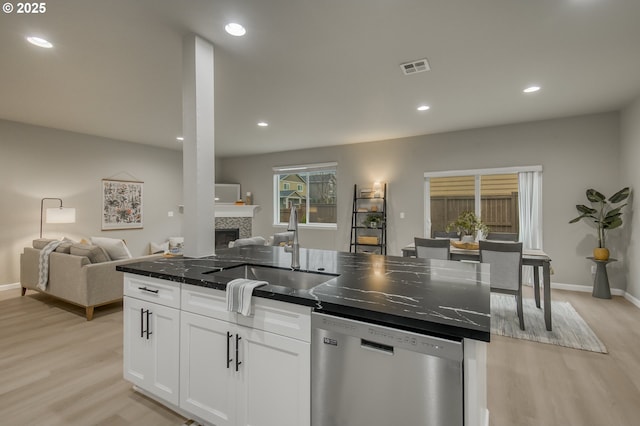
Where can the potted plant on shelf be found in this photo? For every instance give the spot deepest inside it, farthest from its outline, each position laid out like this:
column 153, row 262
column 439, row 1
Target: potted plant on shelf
column 373, row 220
column 468, row 225
column 604, row 214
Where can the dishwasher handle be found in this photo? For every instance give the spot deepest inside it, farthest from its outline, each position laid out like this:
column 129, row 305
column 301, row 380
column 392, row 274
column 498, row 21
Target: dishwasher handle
column 379, row 347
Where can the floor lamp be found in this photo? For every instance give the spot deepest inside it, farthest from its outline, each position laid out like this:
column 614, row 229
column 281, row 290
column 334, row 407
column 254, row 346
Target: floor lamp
column 58, row 214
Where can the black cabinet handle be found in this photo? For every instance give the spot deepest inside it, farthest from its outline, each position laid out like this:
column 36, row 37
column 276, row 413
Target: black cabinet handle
column 148, row 290
column 141, row 322
column 148, row 324
column 238, row 362
column 229, row 335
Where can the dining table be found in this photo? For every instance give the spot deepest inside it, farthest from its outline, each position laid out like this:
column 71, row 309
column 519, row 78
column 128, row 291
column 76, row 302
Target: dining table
column 530, row 257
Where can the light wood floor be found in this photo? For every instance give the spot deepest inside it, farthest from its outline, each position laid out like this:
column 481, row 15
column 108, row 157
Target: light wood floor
column 57, row 369
column 538, row 384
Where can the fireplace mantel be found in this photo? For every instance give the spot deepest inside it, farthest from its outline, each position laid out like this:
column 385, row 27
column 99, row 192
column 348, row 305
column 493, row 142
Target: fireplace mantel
column 232, row 210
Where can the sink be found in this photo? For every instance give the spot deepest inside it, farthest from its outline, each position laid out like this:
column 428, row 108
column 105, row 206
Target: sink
column 299, row 280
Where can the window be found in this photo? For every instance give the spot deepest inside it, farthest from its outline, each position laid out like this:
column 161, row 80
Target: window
column 315, row 194
column 493, row 194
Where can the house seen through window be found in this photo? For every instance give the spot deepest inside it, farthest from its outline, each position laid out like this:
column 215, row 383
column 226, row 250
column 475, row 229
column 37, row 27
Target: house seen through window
column 315, row 194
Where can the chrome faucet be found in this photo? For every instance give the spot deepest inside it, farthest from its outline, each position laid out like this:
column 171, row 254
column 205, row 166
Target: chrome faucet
column 294, row 248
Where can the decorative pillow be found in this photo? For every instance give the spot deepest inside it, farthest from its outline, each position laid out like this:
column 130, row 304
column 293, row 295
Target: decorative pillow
column 253, row 241
column 41, row 243
column 176, row 245
column 96, row 254
column 65, row 246
column 282, row 238
column 115, row 247
column 158, row 248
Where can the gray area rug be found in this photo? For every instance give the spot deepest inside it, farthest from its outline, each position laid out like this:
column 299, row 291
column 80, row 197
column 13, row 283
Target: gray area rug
column 569, row 329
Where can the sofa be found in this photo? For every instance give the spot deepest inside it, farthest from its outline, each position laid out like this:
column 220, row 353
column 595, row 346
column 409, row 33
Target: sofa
column 278, row 239
column 82, row 274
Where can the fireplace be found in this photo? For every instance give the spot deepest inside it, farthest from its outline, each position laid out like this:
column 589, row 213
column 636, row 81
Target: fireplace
column 225, row 236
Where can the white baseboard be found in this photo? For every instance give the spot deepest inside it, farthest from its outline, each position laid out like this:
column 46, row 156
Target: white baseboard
column 4, row 287
column 588, row 289
column 632, row 299
column 584, row 288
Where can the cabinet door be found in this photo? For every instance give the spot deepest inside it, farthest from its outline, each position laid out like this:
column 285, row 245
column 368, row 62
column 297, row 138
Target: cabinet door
column 207, row 376
column 274, row 380
column 151, row 348
column 137, row 350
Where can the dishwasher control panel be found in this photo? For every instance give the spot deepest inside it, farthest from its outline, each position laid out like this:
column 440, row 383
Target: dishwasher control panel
column 390, row 337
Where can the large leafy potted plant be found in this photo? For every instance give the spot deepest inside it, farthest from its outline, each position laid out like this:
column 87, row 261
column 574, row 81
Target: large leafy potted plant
column 468, row 225
column 605, row 215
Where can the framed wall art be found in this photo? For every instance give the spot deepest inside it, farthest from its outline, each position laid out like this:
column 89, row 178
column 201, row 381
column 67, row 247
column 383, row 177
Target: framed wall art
column 121, row 204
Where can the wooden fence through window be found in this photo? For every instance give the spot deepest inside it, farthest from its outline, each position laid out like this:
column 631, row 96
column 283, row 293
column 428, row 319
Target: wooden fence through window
column 499, row 212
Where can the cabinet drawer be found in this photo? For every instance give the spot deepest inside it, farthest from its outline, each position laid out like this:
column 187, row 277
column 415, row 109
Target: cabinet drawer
column 286, row 319
column 206, row 301
column 282, row 318
column 154, row 290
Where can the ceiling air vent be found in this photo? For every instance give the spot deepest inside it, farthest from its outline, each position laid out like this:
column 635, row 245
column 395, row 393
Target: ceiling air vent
column 414, row 67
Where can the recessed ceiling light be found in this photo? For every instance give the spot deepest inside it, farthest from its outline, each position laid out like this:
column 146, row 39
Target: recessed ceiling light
column 531, row 89
column 179, row 138
column 423, row 107
column 235, row 29
column 40, row 42
column 263, row 124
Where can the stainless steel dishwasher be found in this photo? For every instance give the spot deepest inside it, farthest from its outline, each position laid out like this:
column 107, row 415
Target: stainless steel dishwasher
column 369, row 375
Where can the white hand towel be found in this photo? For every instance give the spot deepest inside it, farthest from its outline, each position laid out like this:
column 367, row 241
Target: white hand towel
column 247, row 291
column 233, row 294
column 239, row 293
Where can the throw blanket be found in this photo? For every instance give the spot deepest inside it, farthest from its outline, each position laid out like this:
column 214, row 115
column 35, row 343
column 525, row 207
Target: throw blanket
column 239, row 295
column 43, row 264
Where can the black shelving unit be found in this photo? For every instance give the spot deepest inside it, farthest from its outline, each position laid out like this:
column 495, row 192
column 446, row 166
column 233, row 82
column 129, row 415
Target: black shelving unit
column 364, row 237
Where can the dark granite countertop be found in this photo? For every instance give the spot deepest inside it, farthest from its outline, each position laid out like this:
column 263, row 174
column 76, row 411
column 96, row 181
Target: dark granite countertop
column 445, row 298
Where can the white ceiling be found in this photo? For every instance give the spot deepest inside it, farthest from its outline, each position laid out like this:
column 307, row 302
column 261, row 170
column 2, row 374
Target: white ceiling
column 321, row 72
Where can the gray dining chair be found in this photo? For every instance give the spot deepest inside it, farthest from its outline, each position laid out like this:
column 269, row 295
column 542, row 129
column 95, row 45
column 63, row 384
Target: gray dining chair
column 502, row 236
column 431, row 248
column 452, row 235
column 505, row 259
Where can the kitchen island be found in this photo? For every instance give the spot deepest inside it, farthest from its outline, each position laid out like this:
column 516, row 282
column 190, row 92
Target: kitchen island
column 448, row 300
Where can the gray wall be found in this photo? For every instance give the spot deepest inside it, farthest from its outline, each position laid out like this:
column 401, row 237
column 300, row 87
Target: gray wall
column 576, row 153
column 630, row 172
column 37, row 162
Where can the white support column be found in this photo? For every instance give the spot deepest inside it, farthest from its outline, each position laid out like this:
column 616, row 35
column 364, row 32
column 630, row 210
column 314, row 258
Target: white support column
column 198, row 160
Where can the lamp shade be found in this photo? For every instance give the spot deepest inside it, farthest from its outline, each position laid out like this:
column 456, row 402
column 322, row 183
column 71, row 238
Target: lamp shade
column 376, row 189
column 61, row 215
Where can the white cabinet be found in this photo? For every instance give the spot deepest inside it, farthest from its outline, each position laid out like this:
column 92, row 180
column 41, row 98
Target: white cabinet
column 233, row 374
column 206, row 374
column 274, row 385
column 182, row 346
column 152, row 337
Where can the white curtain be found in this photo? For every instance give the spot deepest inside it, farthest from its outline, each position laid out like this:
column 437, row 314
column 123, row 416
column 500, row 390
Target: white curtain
column 530, row 209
